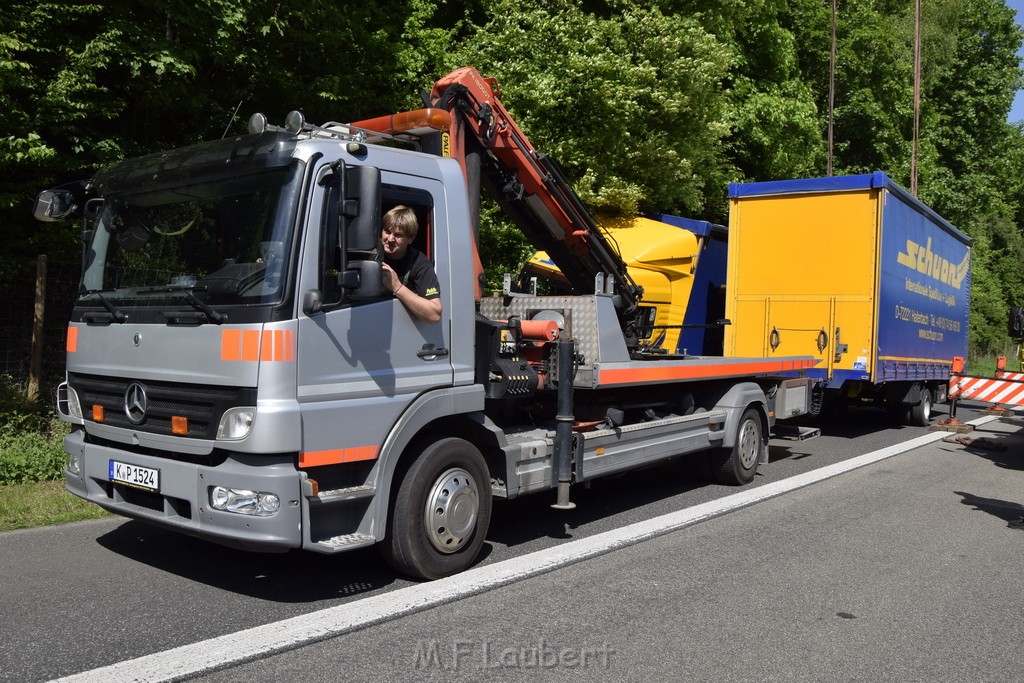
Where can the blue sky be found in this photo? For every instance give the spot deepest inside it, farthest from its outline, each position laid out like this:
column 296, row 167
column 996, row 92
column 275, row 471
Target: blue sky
column 1017, row 112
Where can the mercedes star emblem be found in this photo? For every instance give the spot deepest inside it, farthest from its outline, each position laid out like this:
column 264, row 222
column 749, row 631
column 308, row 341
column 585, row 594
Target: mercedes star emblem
column 135, row 403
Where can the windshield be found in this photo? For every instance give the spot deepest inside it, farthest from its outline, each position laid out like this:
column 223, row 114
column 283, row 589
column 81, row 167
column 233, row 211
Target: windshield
column 221, row 243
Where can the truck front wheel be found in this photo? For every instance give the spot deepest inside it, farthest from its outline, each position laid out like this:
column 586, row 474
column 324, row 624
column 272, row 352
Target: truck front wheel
column 738, row 465
column 441, row 511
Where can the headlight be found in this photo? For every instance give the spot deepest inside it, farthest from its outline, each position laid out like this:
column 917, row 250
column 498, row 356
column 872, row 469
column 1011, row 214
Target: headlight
column 67, row 401
column 236, row 423
column 219, row 497
column 74, row 466
column 244, row 501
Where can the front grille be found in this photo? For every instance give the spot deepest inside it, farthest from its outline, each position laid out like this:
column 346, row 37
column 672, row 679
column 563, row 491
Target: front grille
column 202, row 404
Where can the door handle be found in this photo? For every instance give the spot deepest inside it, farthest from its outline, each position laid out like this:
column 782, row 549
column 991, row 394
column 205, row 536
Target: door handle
column 428, row 352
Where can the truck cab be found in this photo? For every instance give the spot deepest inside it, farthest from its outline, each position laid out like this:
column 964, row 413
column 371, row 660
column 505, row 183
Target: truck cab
column 220, row 325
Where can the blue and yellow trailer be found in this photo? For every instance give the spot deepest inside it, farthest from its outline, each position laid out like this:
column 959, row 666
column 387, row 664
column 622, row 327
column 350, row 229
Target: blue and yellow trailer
column 857, row 272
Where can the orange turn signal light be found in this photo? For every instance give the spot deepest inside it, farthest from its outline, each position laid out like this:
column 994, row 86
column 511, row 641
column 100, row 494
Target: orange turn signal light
column 97, row 413
column 179, row 425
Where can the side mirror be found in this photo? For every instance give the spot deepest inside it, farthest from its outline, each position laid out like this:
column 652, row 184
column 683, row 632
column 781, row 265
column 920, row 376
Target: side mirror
column 362, row 280
column 53, row 205
column 359, row 211
column 312, row 302
column 60, row 202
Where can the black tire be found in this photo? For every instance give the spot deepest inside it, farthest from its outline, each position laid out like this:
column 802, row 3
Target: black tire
column 921, row 412
column 738, row 465
column 440, row 512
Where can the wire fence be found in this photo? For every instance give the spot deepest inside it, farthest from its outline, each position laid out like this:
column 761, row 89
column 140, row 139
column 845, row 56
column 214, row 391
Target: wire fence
column 17, row 314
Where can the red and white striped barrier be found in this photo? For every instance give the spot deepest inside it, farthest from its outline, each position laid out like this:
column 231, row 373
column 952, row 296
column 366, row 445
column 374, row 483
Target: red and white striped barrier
column 1001, row 391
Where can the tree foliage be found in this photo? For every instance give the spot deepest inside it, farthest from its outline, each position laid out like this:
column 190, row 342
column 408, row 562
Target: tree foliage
column 630, row 103
column 647, row 105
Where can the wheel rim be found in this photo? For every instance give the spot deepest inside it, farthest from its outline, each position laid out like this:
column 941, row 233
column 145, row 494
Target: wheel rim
column 452, row 509
column 748, row 444
column 926, row 406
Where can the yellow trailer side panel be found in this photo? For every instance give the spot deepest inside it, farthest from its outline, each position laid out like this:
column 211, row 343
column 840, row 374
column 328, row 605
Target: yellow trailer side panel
column 803, row 269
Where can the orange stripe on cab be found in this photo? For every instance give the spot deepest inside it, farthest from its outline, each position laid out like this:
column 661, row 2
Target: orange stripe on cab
column 230, row 344
column 72, row 343
column 337, row 456
column 253, row 345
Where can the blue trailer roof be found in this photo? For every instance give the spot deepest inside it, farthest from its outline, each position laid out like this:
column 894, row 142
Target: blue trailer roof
column 868, row 181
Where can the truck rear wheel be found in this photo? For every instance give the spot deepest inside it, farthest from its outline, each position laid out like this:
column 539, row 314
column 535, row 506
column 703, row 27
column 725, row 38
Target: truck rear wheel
column 441, row 511
column 738, row 465
column 921, row 412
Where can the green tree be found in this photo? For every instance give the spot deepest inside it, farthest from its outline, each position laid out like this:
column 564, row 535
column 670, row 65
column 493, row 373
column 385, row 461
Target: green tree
column 772, row 110
column 975, row 179
column 627, row 99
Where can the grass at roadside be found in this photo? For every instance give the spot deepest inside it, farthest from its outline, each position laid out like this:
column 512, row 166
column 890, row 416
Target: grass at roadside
column 40, row 503
column 985, row 366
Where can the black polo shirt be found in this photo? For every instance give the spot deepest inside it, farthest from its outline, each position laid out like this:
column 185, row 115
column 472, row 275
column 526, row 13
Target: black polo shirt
column 416, row 272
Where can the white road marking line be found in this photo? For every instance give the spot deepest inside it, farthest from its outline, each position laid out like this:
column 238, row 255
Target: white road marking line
column 243, row 646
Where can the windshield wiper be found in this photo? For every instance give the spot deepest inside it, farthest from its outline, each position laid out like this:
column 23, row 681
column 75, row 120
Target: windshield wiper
column 214, row 315
column 211, row 313
column 117, row 315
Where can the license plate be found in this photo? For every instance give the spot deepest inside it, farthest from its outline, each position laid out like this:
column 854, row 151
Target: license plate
column 144, row 478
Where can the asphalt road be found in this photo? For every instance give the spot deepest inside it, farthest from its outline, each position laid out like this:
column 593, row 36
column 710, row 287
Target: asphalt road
column 86, row 595
column 905, row 570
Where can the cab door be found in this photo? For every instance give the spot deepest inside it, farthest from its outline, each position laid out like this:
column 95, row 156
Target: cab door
column 361, row 363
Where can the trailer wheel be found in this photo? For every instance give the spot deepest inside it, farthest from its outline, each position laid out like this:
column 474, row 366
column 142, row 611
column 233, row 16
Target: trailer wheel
column 441, row 511
column 738, row 465
column 921, row 412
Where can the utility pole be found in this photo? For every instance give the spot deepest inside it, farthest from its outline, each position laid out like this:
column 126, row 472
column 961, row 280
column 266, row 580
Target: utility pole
column 917, row 96
column 831, row 88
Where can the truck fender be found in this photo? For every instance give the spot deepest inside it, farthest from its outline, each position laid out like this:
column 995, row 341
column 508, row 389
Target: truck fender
column 427, row 408
column 903, row 392
column 734, row 403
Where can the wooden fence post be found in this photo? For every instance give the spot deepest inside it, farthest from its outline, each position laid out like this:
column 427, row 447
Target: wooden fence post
column 36, row 361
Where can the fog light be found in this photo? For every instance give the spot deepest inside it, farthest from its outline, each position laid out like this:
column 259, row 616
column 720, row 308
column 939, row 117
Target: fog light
column 244, row 501
column 269, row 504
column 236, row 423
column 74, row 466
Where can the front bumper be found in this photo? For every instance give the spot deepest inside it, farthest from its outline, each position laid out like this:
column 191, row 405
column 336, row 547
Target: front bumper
column 182, row 503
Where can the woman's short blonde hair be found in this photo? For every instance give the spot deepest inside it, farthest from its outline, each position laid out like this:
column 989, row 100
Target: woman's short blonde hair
column 401, row 219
